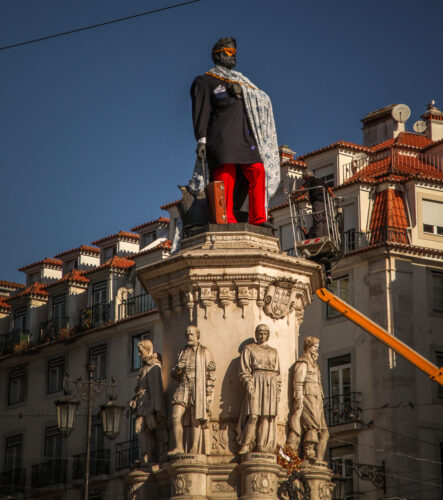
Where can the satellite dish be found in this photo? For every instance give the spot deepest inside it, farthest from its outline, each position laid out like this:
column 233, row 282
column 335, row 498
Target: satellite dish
column 419, row 126
column 401, row 113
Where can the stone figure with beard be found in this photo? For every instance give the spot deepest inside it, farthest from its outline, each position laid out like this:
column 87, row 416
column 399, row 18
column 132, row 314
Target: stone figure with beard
column 307, row 421
column 234, row 128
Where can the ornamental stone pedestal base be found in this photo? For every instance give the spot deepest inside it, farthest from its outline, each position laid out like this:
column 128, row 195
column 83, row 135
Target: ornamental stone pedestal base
column 188, row 475
column 138, row 484
column 319, row 477
column 259, row 476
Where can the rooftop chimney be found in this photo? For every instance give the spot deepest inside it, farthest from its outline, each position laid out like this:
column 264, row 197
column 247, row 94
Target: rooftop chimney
column 383, row 124
column 433, row 118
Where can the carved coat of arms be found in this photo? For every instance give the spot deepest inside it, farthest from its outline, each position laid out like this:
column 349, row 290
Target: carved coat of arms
column 279, row 300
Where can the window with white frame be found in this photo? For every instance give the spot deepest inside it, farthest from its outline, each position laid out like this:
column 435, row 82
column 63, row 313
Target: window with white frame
column 58, row 308
column 17, row 385
column 432, row 217
column 349, row 225
column 53, row 442
column 20, row 319
column 339, row 287
column 342, row 459
column 339, row 369
column 56, row 374
column 437, row 291
column 13, row 452
column 98, row 355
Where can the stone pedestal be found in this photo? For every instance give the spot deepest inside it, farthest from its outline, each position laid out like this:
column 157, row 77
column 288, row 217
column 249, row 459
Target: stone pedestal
column 188, row 475
column 138, row 484
column 319, row 478
column 259, row 474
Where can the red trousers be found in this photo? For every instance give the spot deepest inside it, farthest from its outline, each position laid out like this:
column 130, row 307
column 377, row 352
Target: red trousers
column 255, row 173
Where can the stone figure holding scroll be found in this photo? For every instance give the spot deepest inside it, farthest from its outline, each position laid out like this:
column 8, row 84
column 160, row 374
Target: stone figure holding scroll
column 308, row 428
column 149, row 405
column 260, row 375
column 195, row 372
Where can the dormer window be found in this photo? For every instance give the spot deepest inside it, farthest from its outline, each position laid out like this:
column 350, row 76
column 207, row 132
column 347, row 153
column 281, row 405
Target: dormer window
column 109, row 252
column 34, row 277
column 148, row 238
column 20, row 319
column 70, row 265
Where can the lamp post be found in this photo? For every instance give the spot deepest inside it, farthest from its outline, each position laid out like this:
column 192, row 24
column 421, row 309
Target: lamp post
column 110, row 412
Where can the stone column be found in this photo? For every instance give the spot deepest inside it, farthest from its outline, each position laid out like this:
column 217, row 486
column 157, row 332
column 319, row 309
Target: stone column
column 188, row 477
column 259, row 473
column 319, row 477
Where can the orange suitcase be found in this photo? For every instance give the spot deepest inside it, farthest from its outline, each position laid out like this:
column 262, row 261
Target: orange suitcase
column 215, row 194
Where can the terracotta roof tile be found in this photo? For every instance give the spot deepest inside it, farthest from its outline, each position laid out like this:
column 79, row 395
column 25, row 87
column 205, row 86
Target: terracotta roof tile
column 121, row 235
column 165, row 245
column 3, row 304
column 389, row 219
column 11, row 284
column 48, row 262
column 81, row 249
column 160, row 220
column 36, row 289
column 171, row 204
column 115, row 262
column 74, row 276
column 335, row 145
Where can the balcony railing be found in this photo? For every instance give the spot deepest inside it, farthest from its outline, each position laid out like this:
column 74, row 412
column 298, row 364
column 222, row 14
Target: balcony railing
column 354, row 240
column 54, row 329
column 126, row 453
column 342, row 409
column 13, row 481
column 8, row 341
column 49, row 473
column 95, row 316
column 99, row 464
column 136, row 305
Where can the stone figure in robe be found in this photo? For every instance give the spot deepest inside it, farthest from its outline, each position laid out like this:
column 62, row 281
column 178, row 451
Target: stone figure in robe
column 149, row 406
column 194, row 371
column 260, row 374
column 308, row 430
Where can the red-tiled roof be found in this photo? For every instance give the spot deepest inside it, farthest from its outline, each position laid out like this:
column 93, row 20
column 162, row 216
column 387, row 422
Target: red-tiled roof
column 389, row 220
column 81, row 249
column 11, row 284
column 115, row 262
column 295, row 163
column 397, row 168
column 166, row 245
column 406, row 140
column 48, row 262
column 121, row 235
column 74, row 276
column 335, row 145
column 36, row 289
column 160, row 220
column 171, row 204
column 4, row 304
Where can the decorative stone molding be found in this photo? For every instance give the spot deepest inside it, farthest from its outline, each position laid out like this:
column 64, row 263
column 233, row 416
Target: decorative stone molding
column 262, row 483
column 207, row 298
column 181, row 485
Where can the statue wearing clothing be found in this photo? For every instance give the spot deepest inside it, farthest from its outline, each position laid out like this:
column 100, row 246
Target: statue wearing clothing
column 260, row 374
column 195, row 372
column 307, row 422
column 149, row 405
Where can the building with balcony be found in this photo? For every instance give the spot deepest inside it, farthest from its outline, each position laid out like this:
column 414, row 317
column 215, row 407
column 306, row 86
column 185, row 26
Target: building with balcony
column 385, row 417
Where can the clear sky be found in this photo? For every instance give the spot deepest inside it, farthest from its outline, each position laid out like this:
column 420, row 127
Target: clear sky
column 95, row 127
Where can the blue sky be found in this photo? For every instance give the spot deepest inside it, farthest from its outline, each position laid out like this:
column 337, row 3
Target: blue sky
column 95, row 127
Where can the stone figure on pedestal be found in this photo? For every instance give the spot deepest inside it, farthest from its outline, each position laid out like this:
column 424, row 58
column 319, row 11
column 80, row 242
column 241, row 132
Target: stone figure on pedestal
column 195, row 372
column 149, row 406
column 308, row 428
column 260, row 375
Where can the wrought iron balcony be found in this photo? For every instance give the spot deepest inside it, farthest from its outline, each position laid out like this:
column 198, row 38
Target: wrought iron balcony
column 54, row 329
column 13, row 481
column 354, row 240
column 342, row 409
column 99, row 464
column 136, row 305
column 126, row 453
column 95, row 316
column 49, row 473
column 16, row 339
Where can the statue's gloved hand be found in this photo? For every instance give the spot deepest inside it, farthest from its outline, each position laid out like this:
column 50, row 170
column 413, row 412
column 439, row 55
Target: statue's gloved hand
column 201, row 150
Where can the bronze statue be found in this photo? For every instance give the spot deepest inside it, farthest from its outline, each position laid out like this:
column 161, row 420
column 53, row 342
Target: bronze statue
column 307, row 422
column 260, row 374
column 149, row 405
column 195, row 372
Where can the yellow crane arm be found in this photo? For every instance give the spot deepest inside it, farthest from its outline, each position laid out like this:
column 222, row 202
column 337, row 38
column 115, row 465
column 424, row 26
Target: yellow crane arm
column 381, row 334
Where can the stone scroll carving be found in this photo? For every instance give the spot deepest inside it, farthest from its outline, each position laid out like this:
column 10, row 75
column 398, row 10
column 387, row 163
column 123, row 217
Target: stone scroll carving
column 149, row 406
column 194, row 371
column 260, row 375
column 308, row 429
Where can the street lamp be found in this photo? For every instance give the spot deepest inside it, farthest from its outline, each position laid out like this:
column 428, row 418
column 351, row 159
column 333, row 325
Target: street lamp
column 67, row 411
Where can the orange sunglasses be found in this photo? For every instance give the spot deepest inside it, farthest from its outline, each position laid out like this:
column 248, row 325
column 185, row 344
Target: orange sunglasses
column 229, row 51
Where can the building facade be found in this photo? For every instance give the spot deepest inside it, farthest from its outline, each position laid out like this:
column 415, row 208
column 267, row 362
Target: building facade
column 385, row 417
